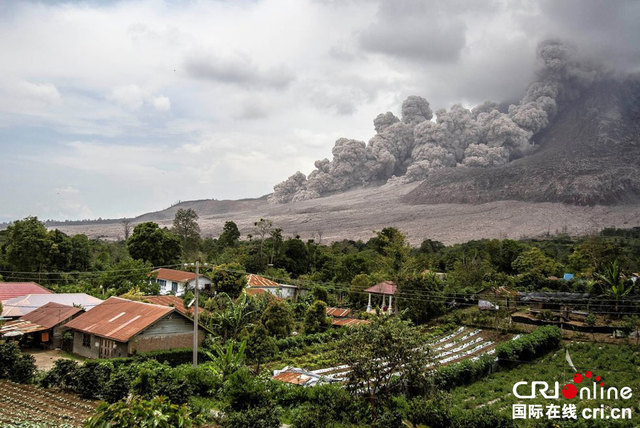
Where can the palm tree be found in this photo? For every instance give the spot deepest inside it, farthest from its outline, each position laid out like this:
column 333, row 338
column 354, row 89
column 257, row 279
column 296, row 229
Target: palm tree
column 224, row 360
column 616, row 281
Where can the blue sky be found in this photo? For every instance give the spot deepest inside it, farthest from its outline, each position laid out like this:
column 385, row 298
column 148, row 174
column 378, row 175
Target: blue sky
column 112, row 109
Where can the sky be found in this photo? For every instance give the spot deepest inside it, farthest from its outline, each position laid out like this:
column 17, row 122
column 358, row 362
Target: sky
column 115, row 108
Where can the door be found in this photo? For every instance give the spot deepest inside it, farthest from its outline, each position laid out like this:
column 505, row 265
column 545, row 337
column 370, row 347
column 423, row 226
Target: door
column 106, row 348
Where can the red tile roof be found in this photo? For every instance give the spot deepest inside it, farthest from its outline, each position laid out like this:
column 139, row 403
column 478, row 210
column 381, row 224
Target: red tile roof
column 51, row 314
column 385, row 287
column 172, row 301
column 174, row 275
column 119, row 319
column 338, row 312
column 9, row 290
column 254, row 280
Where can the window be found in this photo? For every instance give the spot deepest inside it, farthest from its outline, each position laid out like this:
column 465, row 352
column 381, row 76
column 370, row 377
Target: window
column 174, row 287
column 86, row 340
column 162, row 282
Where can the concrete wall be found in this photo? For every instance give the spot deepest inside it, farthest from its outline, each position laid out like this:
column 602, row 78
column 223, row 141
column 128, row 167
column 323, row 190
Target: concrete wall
column 167, row 288
column 121, row 349
column 173, row 331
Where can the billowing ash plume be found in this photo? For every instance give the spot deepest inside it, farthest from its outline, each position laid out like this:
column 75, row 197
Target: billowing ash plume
column 413, row 146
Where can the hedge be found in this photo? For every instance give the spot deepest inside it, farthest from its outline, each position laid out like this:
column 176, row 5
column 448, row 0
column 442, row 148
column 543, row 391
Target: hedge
column 309, row 339
column 173, row 357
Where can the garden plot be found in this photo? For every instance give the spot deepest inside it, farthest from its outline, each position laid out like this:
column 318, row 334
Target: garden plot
column 26, row 403
column 464, row 343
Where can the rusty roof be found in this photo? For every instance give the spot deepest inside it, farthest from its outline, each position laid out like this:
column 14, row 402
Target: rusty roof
column 119, row 319
column 385, row 287
column 254, row 280
column 338, row 312
column 292, row 377
column 51, row 314
column 21, row 306
column 20, row 327
column 348, row 322
column 9, row 290
column 174, row 275
column 168, row 300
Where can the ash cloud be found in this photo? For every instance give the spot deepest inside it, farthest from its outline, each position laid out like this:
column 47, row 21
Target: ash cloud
column 411, row 147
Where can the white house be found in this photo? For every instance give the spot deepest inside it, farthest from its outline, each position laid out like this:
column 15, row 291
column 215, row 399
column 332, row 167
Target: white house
column 257, row 282
column 174, row 281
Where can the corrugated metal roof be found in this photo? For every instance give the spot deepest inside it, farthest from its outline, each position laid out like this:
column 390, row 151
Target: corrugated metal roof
column 21, row 306
column 51, row 314
column 119, row 319
column 293, row 378
column 19, row 326
column 254, row 280
column 174, row 275
column 338, row 312
column 385, row 287
column 348, row 322
column 171, row 301
column 9, row 290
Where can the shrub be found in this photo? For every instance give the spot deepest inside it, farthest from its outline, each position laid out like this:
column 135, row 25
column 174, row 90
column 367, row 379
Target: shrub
column 14, row 365
column 529, row 346
column 92, row 378
column 63, row 374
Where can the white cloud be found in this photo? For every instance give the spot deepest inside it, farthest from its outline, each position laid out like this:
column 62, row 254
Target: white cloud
column 128, row 96
column 161, row 103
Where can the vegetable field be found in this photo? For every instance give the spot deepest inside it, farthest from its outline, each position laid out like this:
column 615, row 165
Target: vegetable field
column 28, row 403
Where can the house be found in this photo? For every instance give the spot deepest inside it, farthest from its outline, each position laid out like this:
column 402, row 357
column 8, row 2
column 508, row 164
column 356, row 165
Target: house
column 175, row 282
column 20, row 306
column 120, row 327
column 340, row 317
column 257, row 282
column 43, row 326
column 9, row 290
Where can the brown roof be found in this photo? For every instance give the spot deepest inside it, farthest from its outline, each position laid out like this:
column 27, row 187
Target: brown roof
column 174, row 275
column 260, row 292
column 119, row 319
column 385, row 287
column 51, row 314
column 18, row 327
column 169, row 300
column 9, row 290
column 254, row 280
column 338, row 312
column 348, row 322
column 294, row 378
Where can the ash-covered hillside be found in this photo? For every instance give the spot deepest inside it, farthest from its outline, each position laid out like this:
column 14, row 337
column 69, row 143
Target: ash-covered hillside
column 572, row 138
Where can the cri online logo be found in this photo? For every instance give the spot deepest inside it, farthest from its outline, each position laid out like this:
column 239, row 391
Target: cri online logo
column 570, row 390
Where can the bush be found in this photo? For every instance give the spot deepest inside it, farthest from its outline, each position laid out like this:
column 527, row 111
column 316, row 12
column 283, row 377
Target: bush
column 92, row 378
column 63, row 374
column 136, row 412
column 14, row 365
column 529, row 346
column 117, row 387
column 256, row 417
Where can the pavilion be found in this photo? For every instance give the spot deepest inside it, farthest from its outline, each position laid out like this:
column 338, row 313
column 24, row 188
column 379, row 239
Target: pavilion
column 385, row 288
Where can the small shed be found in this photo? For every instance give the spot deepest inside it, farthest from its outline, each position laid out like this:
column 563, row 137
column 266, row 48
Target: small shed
column 258, row 282
column 385, row 288
column 43, row 326
column 177, row 282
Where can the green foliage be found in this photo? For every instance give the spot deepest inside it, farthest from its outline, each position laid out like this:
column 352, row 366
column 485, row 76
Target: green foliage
column 320, row 406
column 14, row 365
column 63, row 374
column 232, row 318
column 316, row 319
column 260, row 346
column 529, row 346
column 230, row 235
column 229, row 279
column 186, row 228
column 278, row 319
column 154, row 245
column 91, row 378
column 249, row 403
column 618, row 286
column 227, row 360
column 534, row 261
column 126, row 275
column 28, row 245
column 424, row 297
column 294, row 258
column 137, row 412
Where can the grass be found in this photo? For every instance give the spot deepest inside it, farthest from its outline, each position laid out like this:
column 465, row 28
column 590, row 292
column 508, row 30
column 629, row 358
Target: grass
column 618, row 365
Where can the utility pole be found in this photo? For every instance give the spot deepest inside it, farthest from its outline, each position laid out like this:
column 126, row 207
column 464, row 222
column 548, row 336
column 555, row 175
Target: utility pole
column 195, row 319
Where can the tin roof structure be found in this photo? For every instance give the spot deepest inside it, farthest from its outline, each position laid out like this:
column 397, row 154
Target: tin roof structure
column 254, row 280
column 385, row 287
column 348, row 322
column 9, row 290
column 174, row 275
column 168, row 300
column 119, row 319
column 338, row 312
column 21, row 306
column 51, row 314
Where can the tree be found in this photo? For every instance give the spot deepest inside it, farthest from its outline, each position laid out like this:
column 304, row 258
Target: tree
column 383, row 355
column 359, row 283
column 230, row 321
column 230, row 235
column 262, row 228
column 186, row 228
column 28, row 245
column 591, row 321
column 616, row 282
column 278, row 319
column 424, row 297
column 392, row 245
column 126, row 228
column 534, row 261
column 226, row 360
column 229, row 278
column 80, row 253
column 154, row 245
column 260, row 346
column 126, row 275
column 316, row 319
column 60, row 251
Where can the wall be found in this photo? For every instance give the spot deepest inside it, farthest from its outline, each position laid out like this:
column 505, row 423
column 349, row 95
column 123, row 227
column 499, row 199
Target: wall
column 172, row 331
column 202, row 283
column 121, row 349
